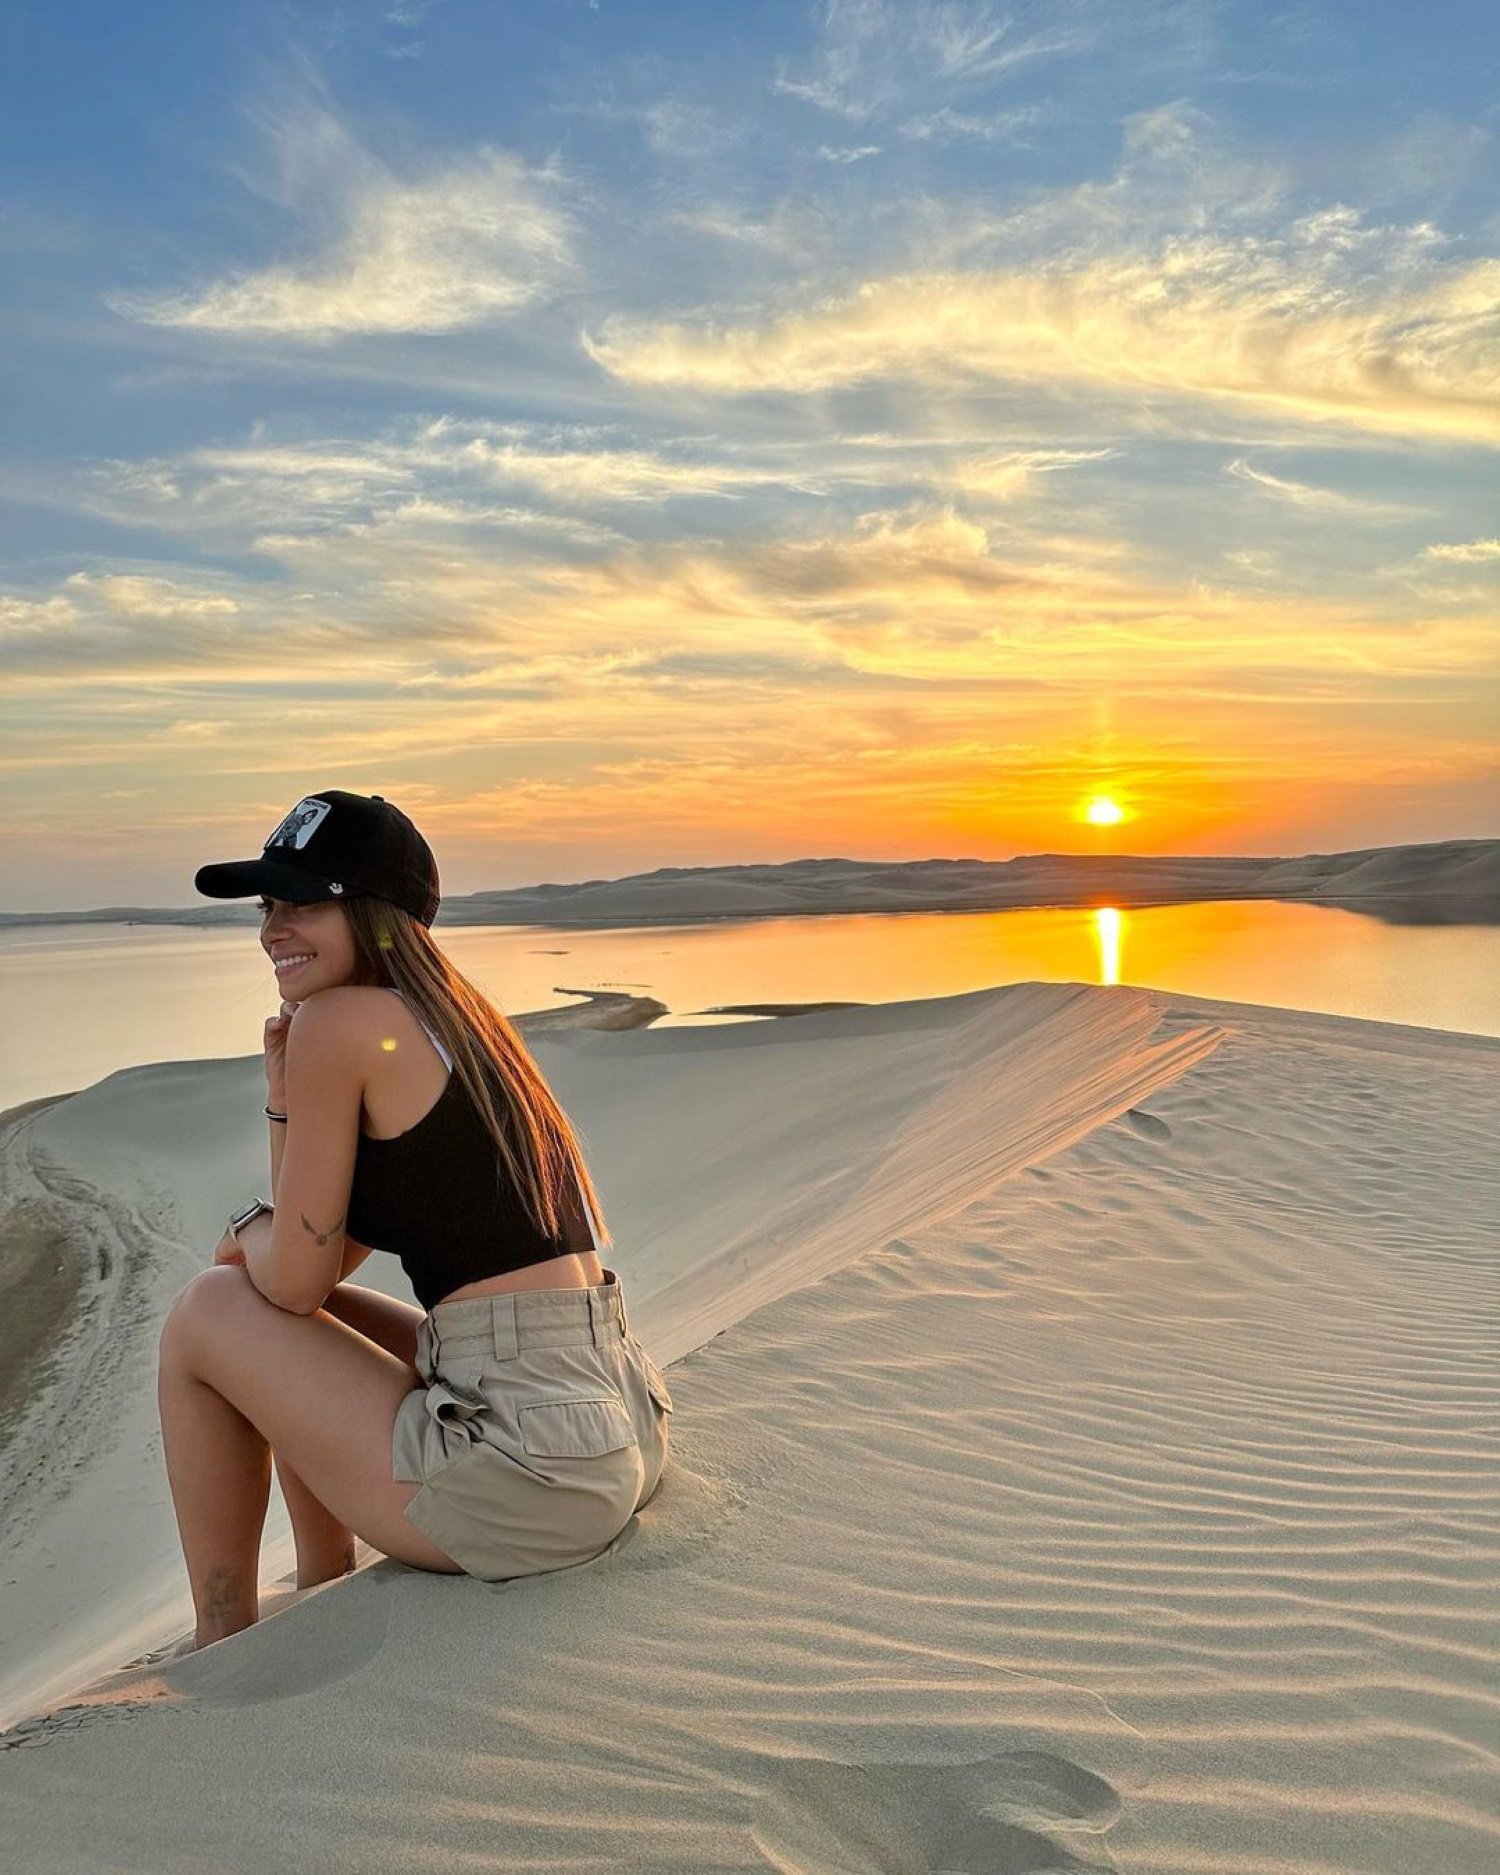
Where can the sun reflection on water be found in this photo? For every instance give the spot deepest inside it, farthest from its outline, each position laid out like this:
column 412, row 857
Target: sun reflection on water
column 1109, row 939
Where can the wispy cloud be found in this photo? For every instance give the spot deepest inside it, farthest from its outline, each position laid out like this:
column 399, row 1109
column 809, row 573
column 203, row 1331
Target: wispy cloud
column 680, row 115
column 1465, row 552
column 102, row 626
column 679, row 127
column 1321, row 500
column 946, row 126
column 873, row 56
column 237, row 496
column 1289, row 325
column 855, row 155
column 22, row 618
column 408, row 16
column 1193, row 275
column 276, row 495
column 1009, row 474
column 586, row 475
column 468, row 242
column 138, row 596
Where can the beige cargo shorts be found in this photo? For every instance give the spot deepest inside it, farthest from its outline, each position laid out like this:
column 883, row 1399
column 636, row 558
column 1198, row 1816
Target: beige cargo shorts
column 540, row 1430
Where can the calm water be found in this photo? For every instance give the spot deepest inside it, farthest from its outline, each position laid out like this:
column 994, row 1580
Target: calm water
column 78, row 1002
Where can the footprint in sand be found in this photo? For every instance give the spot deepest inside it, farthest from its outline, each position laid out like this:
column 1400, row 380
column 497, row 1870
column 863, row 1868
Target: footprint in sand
column 46, row 1726
column 1146, row 1124
column 1003, row 1815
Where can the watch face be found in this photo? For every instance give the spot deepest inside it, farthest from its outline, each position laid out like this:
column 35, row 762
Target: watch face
column 250, row 1211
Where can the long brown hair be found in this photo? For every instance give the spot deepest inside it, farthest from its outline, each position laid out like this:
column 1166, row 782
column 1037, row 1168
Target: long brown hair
column 537, row 1143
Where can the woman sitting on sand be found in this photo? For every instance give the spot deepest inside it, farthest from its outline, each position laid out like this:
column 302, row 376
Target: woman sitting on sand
column 510, row 1425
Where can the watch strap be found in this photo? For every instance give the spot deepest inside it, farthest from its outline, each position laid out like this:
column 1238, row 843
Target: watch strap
column 252, row 1210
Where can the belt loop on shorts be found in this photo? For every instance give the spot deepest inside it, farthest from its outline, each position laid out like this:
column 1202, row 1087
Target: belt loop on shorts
column 614, row 1280
column 503, row 1327
column 600, row 1316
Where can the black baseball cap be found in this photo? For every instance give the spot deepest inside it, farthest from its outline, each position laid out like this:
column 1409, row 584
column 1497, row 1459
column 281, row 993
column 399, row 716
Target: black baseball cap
column 335, row 845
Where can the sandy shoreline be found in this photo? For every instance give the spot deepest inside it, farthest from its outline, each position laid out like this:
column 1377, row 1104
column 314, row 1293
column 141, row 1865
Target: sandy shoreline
column 1083, row 1458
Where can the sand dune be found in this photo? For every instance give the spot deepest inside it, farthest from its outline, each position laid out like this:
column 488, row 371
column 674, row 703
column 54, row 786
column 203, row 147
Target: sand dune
column 1439, row 881
column 1084, row 1458
column 736, row 1164
column 1403, row 881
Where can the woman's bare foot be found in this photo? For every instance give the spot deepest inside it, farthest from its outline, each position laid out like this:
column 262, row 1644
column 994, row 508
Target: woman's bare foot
column 184, row 1644
column 280, row 1595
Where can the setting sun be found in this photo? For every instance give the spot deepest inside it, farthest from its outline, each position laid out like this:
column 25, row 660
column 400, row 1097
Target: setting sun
column 1103, row 813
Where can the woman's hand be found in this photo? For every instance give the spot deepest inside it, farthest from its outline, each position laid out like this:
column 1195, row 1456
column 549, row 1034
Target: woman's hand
column 275, row 1046
column 228, row 1251
column 232, row 1250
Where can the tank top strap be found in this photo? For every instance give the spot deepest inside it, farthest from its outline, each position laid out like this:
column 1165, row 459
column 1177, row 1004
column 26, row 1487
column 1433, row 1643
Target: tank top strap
column 447, row 1057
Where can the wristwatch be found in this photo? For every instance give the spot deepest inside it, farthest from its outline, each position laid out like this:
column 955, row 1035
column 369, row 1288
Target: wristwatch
column 242, row 1218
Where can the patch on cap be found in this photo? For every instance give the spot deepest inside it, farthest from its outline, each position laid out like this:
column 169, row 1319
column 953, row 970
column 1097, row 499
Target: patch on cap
column 301, row 824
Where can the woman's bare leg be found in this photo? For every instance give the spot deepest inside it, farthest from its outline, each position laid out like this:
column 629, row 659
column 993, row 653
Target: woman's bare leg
column 325, row 1547
column 238, row 1377
column 207, row 1440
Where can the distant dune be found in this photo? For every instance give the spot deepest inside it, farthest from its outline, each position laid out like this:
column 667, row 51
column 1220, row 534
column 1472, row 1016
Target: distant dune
column 1445, row 881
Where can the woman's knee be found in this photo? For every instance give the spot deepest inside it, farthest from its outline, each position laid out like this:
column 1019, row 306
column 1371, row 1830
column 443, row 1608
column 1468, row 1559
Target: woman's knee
column 203, row 1300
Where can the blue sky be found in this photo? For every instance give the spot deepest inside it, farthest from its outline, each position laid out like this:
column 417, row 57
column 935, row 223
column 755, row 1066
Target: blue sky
column 641, row 435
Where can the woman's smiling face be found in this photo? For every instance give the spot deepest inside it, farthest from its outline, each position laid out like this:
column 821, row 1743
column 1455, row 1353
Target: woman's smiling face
column 310, row 946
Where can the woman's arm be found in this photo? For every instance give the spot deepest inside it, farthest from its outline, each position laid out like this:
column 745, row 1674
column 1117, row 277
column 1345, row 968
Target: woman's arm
column 323, row 1081
column 232, row 1250
column 354, row 1253
column 278, row 1146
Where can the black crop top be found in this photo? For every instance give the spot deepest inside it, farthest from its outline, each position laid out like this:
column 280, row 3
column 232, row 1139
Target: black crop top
column 430, row 1196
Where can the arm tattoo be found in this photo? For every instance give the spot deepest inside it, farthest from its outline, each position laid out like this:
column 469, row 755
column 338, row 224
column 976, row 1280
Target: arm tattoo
column 320, row 1237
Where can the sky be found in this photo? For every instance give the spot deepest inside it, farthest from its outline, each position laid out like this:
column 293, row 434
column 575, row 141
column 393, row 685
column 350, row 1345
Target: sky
column 634, row 435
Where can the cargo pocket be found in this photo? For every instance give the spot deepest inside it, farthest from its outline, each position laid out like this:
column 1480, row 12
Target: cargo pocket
column 575, row 1428
column 655, row 1382
column 455, row 1406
